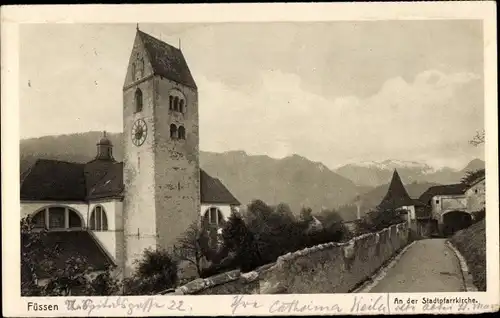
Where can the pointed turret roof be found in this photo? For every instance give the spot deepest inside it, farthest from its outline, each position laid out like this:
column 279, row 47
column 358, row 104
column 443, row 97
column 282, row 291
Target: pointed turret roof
column 396, row 196
column 166, row 60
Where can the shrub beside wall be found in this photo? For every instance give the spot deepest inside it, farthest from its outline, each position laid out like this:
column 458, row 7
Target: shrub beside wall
column 324, row 268
column 471, row 242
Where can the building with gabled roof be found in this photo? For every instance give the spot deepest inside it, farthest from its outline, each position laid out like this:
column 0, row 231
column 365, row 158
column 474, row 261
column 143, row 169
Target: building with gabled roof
column 396, row 197
column 115, row 210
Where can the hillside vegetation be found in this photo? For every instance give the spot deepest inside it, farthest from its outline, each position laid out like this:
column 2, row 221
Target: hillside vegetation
column 471, row 242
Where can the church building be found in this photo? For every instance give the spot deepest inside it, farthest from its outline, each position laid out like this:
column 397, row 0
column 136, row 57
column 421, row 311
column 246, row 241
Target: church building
column 110, row 211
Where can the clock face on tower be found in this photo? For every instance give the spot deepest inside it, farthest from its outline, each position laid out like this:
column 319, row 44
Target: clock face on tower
column 139, row 132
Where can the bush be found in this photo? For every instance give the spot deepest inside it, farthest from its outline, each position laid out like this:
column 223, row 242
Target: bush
column 378, row 220
column 71, row 279
column 471, row 242
column 156, row 271
column 105, row 285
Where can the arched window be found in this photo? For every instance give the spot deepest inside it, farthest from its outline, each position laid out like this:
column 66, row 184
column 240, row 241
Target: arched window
column 57, row 218
column 181, row 106
column 212, row 223
column 138, row 100
column 213, row 216
column 74, row 220
column 176, row 103
column 98, row 219
column 171, row 102
column 173, row 131
column 181, row 132
column 38, row 220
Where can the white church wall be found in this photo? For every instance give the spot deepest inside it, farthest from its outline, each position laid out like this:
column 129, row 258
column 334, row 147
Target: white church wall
column 109, row 207
column 225, row 209
column 111, row 239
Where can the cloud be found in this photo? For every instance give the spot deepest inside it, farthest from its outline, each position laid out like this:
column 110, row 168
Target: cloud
column 422, row 118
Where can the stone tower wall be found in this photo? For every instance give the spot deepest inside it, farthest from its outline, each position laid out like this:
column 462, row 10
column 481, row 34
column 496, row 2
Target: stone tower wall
column 176, row 163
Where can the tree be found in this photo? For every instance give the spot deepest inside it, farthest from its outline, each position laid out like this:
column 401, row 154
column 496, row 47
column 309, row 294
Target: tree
column 471, row 176
column 192, row 246
column 258, row 211
column 239, row 240
column 71, row 278
column 329, row 217
column 306, row 214
column 283, row 211
column 155, row 272
column 478, row 139
column 379, row 219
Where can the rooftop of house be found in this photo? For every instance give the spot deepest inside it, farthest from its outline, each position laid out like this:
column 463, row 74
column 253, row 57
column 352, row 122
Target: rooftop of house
column 396, row 195
column 449, row 189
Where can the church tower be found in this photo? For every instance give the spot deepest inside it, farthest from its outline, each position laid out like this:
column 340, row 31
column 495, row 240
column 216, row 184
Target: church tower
column 161, row 172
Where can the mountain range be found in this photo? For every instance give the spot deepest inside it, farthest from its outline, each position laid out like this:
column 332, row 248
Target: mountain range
column 376, row 173
column 294, row 180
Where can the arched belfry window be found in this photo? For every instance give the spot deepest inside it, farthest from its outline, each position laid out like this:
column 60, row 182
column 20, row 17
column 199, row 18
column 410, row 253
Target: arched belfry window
column 98, row 219
column 57, row 218
column 181, row 132
column 176, row 103
column 138, row 100
column 173, row 131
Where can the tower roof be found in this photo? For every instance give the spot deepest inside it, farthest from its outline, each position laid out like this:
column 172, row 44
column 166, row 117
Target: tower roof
column 396, row 196
column 167, row 61
column 104, row 140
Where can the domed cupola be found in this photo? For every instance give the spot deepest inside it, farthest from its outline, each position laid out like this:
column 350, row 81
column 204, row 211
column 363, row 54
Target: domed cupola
column 104, row 148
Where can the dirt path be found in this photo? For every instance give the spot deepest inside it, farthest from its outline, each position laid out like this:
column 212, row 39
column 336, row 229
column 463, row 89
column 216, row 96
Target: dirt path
column 427, row 266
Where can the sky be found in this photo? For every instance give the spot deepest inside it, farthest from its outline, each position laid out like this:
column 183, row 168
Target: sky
column 334, row 92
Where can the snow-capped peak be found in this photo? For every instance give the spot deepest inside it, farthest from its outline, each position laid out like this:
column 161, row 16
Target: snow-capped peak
column 392, row 164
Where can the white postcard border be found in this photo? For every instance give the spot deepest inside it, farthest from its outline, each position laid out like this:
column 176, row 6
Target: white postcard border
column 13, row 16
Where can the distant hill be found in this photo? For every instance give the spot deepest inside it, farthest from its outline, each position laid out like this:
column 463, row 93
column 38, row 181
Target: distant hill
column 375, row 173
column 294, row 180
column 474, row 165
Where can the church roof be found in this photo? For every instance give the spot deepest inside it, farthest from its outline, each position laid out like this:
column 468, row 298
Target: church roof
column 449, row 189
column 167, row 61
column 214, row 191
column 69, row 244
column 53, row 180
column 396, row 196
